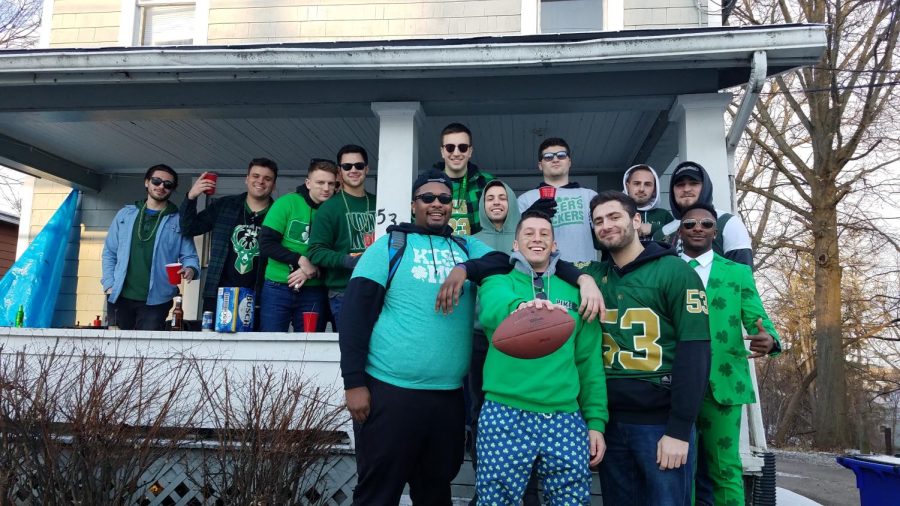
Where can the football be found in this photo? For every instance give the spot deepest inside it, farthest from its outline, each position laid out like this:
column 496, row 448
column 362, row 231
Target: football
column 533, row 332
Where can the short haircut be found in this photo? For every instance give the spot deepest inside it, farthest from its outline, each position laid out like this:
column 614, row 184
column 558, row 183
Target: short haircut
column 353, row 148
column 554, row 141
column 457, row 128
column 612, row 195
column 638, row 167
column 706, row 207
column 534, row 214
column 264, row 162
column 163, row 167
column 322, row 164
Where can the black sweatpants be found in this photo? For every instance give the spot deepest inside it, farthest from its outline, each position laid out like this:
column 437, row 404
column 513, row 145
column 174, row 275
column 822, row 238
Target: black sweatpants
column 411, row 436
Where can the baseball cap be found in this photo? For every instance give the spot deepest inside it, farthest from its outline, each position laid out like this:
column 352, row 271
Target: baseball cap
column 432, row 176
column 689, row 170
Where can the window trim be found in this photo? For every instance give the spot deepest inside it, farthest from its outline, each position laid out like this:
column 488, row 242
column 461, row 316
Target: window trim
column 613, row 16
column 129, row 20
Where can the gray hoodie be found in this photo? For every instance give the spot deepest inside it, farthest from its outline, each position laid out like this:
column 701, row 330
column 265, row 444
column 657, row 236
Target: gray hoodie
column 500, row 240
column 651, row 214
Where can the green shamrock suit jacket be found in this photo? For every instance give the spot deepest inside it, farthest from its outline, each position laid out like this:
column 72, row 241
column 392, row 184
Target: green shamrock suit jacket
column 733, row 301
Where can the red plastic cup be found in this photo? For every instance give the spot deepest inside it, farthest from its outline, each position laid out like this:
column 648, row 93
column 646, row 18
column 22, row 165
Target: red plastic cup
column 212, row 176
column 368, row 238
column 174, row 275
column 547, row 192
column 310, row 321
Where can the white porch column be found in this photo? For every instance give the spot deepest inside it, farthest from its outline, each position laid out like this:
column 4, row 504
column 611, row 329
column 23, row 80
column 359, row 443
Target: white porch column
column 397, row 158
column 701, row 139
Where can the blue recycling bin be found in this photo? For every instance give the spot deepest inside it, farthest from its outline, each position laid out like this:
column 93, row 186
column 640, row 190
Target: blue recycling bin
column 878, row 481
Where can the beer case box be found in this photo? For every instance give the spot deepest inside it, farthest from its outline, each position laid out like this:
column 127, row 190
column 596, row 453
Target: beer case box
column 234, row 309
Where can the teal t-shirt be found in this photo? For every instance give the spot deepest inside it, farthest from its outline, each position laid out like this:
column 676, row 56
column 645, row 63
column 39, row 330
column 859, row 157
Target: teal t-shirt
column 412, row 346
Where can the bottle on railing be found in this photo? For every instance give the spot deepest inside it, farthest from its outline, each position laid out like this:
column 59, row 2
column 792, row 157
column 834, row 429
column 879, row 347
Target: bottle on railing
column 97, row 322
column 20, row 317
column 177, row 315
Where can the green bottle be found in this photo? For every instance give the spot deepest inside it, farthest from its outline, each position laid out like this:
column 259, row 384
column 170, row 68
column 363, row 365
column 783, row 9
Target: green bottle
column 20, row 317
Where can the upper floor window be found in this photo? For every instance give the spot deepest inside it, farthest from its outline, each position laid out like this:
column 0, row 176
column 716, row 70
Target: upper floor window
column 562, row 16
column 165, row 22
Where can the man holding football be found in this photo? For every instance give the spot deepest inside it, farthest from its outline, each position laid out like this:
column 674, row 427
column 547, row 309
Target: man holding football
column 552, row 408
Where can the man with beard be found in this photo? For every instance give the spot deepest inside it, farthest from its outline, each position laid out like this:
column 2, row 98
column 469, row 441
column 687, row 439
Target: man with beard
column 656, row 358
column 235, row 222
column 403, row 364
column 344, row 226
column 689, row 185
column 291, row 287
column 142, row 239
column 733, row 302
column 641, row 184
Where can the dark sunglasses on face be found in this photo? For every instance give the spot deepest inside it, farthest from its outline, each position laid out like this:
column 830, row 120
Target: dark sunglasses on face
column 360, row 166
column 168, row 185
column 706, row 223
column 548, row 157
column 453, row 147
column 428, row 198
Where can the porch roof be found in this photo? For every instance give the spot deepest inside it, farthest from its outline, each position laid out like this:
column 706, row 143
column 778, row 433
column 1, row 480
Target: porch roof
column 79, row 115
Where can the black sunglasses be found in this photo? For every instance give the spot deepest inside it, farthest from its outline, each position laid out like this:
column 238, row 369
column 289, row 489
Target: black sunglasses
column 428, row 198
column 548, row 157
column 360, row 166
column 167, row 184
column 538, row 284
column 453, row 147
column 706, row 223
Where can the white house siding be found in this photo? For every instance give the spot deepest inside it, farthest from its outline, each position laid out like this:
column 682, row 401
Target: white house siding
column 259, row 21
column 649, row 14
column 85, row 23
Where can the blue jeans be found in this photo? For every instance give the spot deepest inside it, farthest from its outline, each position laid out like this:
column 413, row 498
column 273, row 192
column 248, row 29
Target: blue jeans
column 336, row 301
column 629, row 474
column 281, row 305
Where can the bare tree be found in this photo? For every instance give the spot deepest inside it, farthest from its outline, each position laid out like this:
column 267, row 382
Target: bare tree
column 11, row 190
column 19, row 22
column 821, row 140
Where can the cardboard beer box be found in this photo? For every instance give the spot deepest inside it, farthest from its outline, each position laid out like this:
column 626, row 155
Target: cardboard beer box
column 234, row 309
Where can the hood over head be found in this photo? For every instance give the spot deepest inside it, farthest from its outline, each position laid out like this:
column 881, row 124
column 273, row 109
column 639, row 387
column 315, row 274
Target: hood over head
column 695, row 171
column 654, row 201
column 500, row 240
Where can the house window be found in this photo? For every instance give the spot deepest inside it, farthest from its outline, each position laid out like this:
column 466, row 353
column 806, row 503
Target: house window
column 562, row 16
column 165, row 23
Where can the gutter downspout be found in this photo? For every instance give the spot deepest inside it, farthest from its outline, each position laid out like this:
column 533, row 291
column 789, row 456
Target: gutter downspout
column 758, row 69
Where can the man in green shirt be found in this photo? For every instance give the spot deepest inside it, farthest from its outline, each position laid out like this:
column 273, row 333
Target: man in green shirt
column 344, row 226
column 291, row 287
column 656, row 358
column 467, row 179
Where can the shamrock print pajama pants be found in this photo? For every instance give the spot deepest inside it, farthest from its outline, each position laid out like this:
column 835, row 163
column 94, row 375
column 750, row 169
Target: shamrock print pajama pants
column 509, row 441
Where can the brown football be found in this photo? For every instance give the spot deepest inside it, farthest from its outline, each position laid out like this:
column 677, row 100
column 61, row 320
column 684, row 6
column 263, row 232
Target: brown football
column 533, row 332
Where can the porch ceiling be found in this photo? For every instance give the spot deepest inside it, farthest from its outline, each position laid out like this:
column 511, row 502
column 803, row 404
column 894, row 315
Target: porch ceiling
column 77, row 116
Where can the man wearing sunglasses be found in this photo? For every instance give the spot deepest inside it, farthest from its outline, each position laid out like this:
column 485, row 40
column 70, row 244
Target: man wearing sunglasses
column 467, row 179
column 291, row 286
column 689, row 185
column 656, row 359
column 344, row 226
column 142, row 239
column 572, row 220
column 402, row 362
column 733, row 302
column 235, row 222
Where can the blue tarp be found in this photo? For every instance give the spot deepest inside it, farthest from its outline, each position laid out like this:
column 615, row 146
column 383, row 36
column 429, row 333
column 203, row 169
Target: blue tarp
column 33, row 281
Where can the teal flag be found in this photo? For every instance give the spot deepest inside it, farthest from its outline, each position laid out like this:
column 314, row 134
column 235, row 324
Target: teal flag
column 33, row 281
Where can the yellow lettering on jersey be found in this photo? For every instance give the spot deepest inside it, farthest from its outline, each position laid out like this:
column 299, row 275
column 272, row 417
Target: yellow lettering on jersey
column 646, row 342
column 696, row 301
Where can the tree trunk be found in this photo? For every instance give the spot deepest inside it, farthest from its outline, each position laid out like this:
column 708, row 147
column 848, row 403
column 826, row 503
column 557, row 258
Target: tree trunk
column 786, row 423
column 830, row 416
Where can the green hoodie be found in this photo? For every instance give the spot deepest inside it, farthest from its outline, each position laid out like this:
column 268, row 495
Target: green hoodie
column 500, row 240
column 569, row 379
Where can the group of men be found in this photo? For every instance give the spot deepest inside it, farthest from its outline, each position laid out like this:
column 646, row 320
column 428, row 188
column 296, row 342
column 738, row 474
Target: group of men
column 648, row 389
